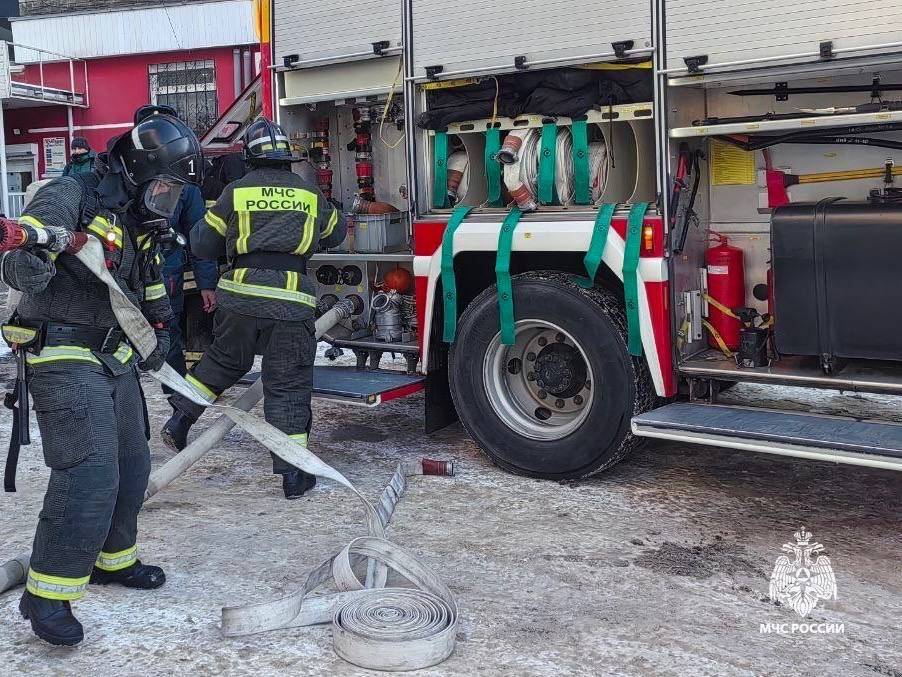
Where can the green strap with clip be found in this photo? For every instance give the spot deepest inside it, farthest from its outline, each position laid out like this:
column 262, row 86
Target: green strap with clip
column 630, row 282
column 492, row 167
column 449, row 283
column 440, row 171
column 582, row 193
column 503, row 276
column 547, row 162
column 595, row 252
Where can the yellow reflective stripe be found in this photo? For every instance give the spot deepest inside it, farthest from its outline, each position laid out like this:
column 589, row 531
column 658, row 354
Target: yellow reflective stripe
column 145, row 242
column 124, row 353
column 300, row 437
column 62, row 354
column 158, row 259
column 114, row 561
column 291, row 280
column 275, row 199
column 154, row 291
column 56, row 587
column 244, row 232
column 15, row 334
column 204, row 391
column 106, row 233
column 209, row 203
column 333, row 221
column 30, row 221
column 260, row 291
column 238, row 274
column 306, row 237
column 215, row 223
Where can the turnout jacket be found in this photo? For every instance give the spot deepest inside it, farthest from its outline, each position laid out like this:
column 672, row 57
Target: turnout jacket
column 74, row 295
column 268, row 210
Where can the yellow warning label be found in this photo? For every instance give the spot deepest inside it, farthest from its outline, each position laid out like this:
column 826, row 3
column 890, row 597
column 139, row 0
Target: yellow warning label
column 731, row 166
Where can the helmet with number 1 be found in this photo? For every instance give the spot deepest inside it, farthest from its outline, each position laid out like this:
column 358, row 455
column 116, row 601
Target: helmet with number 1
column 160, row 146
column 265, row 142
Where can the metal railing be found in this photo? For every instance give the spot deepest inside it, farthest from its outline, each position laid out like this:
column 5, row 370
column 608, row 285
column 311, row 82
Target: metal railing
column 16, row 204
column 26, row 77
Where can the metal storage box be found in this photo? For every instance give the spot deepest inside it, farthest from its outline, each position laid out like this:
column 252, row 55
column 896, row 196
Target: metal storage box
column 375, row 233
column 838, row 280
column 741, row 34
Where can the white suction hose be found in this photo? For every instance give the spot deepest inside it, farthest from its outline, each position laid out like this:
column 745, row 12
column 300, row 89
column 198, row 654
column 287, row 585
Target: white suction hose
column 458, row 176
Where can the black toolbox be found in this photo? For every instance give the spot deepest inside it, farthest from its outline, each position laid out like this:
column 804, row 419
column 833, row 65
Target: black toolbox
column 837, row 276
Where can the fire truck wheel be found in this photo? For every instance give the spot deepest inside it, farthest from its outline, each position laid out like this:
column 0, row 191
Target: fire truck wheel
column 557, row 404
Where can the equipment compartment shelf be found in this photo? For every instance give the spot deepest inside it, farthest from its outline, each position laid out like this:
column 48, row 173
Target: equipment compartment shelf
column 621, row 113
column 397, row 257
column 800, row 124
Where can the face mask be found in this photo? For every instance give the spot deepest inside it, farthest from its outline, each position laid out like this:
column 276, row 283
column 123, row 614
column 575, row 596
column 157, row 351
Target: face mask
column 161, row 198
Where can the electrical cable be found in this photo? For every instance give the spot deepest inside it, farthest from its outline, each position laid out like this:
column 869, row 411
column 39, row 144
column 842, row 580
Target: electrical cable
column 391, row 94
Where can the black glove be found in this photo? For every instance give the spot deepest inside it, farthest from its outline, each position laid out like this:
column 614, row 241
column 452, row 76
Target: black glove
column 157, row 358
column 27, row 271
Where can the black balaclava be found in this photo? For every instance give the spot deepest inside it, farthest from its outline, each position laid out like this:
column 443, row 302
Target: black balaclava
column 114, row 190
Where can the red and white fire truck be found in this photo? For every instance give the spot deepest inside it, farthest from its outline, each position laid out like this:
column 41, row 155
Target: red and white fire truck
column 583, row 221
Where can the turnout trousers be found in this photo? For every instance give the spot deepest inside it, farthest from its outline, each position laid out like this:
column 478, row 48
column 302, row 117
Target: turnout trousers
column 288, row 350
column 94, row 435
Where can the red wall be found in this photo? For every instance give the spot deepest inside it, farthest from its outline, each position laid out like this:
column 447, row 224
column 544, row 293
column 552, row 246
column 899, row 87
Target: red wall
column 117, row 86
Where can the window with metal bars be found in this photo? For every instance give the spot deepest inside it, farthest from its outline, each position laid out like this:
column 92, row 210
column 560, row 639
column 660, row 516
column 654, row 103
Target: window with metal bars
column 190, row 88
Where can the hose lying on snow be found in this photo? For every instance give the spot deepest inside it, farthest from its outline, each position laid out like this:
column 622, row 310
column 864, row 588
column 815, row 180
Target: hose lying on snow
column 520, row 156
column 373, row 626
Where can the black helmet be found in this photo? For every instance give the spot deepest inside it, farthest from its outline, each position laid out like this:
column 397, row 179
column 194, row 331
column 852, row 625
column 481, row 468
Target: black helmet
column 160, row 146
column 150, row 109
column 265, row 141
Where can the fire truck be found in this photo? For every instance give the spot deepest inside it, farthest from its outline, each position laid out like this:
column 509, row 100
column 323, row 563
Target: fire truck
column 582, row 222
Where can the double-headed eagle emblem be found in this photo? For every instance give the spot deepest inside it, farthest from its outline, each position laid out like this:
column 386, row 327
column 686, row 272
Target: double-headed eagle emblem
column 800, row 580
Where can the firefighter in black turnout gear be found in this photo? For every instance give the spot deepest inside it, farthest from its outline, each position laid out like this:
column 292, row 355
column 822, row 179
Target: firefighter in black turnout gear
column 83, row 373
column 267, row 223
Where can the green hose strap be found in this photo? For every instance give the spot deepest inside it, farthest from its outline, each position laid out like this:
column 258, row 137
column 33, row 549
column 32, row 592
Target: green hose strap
column 503, row 276
column 630, row 283
column 547, row 161
column 492, row 167
column 440, row 171
column 582, row 194
column 449, row 283
column 595, row 252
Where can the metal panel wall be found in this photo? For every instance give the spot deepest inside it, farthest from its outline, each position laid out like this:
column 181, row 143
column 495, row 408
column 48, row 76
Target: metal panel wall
column 136, row 31
column 741, row 30
column 474, row 34
column 327, row 29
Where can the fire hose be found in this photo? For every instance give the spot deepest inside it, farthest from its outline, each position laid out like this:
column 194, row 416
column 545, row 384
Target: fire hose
column 374, row 626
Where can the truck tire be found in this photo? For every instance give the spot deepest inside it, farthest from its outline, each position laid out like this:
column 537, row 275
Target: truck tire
column 558, row 403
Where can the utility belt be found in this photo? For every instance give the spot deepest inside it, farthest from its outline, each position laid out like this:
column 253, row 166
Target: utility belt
column 271, row 261
column 92, row 338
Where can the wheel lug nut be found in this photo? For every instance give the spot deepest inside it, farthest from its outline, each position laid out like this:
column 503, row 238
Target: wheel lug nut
column 531, row 357
column 542, row 341
column 514, row 366
column 578, row 399
column 531, row 376
column 559, row 338
column 559, row 404
column 542, row 394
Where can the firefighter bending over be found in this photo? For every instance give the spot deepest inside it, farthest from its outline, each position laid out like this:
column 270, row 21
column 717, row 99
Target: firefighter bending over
column 268, row 224
column 82, row 372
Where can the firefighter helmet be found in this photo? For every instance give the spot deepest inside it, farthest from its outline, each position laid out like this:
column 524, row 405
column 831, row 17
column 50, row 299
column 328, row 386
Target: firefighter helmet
column 160, row 146
column 265, row 141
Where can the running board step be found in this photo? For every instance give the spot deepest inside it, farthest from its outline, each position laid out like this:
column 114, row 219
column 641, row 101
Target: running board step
column 366, row 387
column 824, row 438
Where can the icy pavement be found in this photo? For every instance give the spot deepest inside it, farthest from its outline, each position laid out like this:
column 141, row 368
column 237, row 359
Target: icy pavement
column 660, row 567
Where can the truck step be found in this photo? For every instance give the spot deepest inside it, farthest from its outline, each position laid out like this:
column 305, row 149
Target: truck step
column 826, row 438
column 364, row 387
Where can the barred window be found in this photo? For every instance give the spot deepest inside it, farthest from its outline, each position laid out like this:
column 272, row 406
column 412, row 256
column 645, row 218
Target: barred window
column 190, row 88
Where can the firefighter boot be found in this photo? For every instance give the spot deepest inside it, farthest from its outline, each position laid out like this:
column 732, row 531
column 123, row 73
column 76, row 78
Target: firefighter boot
column 175, row 430
column 295, row 483
column 143, row 576
column 51, row 619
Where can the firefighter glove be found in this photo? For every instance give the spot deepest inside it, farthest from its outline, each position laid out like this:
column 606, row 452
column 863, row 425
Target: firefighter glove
column 27, row 271
column 157, row 358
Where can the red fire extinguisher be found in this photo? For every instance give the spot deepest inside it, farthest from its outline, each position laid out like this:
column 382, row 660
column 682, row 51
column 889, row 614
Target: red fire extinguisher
column 726, row 291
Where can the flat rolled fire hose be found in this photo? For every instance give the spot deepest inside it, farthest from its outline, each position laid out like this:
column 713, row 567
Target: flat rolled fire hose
column 374, row 627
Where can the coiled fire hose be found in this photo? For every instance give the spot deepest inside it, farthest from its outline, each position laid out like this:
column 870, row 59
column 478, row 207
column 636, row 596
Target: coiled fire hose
column 373, row 626
column 520, row 156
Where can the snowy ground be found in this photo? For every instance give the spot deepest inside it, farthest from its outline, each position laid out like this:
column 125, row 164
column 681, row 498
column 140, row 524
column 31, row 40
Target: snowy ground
column 659, row 567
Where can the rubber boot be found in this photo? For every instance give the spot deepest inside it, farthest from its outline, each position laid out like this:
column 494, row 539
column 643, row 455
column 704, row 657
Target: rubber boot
column 141, row 576
column 296, row 483
column 51, row 619
column 175, row 430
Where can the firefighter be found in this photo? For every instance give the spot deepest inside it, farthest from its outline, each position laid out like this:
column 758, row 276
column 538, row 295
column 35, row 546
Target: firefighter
column 267, row 224
column 82, row 374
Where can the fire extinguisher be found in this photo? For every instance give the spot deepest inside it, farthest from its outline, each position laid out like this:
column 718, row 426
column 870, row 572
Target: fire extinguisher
column 726, row 291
